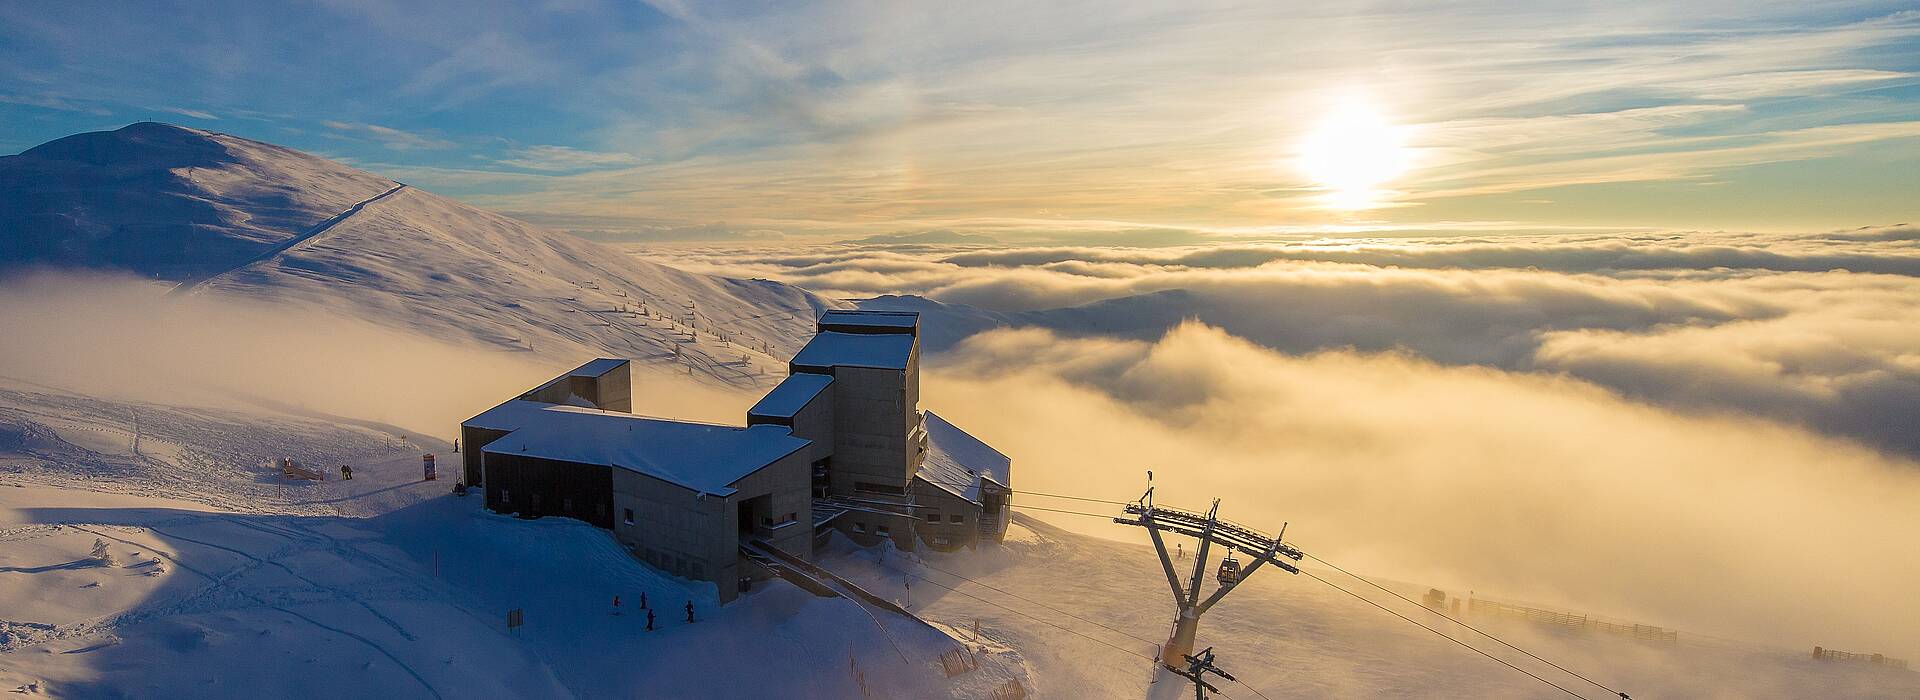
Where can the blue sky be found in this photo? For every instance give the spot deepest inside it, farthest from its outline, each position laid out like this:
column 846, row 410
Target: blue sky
column 823, row 119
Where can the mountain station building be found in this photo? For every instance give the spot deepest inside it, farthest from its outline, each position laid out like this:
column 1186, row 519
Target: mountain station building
column 840, row 444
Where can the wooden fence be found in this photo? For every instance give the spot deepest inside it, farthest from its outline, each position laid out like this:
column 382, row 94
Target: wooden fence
column 1480, row 606
column 1823, row 654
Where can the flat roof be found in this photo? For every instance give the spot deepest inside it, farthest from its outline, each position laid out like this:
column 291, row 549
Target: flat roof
column 791, row 395
column 957, row 461
column 833, row 349
column 697, row 456
column 597, row 367
column 511, row 415
column 879, row 319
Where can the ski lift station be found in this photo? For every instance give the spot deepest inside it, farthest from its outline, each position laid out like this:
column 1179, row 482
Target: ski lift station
column 840, row 444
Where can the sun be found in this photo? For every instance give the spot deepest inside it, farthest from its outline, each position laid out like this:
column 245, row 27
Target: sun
column 1351, row 153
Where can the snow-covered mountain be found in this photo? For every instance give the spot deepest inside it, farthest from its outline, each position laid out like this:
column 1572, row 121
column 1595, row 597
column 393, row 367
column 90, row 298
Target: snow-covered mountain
column 222, row 214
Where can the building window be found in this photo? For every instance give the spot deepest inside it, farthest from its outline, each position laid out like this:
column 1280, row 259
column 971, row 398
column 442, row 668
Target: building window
column 933, row 517
column 956, row 518
column 567, row 503
column 505, row 497
column 871, row 487
column 628, row 516
column 882, row 530
column 860, row 528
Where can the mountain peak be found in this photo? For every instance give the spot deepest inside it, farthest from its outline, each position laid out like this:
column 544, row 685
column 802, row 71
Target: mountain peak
column 165, row 201
column 140, row 142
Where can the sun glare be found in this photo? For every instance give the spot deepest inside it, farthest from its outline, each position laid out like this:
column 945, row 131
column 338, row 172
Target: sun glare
column 1352, row 153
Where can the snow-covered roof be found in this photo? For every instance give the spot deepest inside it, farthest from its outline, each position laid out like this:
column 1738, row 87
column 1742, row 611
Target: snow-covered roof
column 597, row 367
column 791, row 395
column 698, row 456
column 511, row 415
column 833, row 349
column 956, row 461
column 890, row 321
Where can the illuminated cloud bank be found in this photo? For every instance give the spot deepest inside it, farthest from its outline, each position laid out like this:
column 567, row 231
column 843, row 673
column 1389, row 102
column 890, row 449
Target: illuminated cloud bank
column 1708, row 431
column 1819, row 330
column 1467, row 477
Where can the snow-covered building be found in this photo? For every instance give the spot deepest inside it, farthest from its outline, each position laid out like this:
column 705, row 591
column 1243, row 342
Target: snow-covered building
column 839, row 444
column 681, row 495
column 882, row 467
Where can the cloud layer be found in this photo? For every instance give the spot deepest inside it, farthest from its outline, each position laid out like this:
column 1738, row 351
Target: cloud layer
column 1530, row 486
column 1768, row 325
column 121, row 338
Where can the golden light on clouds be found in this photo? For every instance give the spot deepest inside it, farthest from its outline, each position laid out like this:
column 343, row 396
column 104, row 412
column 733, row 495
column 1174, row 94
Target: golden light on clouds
column 1352, row 153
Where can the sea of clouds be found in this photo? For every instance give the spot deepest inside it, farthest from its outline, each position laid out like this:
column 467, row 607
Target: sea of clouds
column 1716, row 432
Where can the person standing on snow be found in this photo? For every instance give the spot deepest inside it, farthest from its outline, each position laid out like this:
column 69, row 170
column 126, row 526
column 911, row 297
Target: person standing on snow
column 346, row 473
column 689, row 611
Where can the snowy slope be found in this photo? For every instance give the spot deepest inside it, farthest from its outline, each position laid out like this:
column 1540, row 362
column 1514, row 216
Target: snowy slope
column 163, row 200
column 266, row 587
column 1087, row 614
column 228, row 580
column 227, row 215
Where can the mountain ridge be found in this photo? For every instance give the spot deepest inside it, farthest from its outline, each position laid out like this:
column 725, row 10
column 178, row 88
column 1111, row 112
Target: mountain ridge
column 226, row 215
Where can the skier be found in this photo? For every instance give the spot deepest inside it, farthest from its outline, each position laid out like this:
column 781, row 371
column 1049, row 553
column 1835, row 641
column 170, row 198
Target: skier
column 649, row 620
column 643, row 601
column 616, row 605
column 346, row 473
column 1179, row 551
column 689, row 611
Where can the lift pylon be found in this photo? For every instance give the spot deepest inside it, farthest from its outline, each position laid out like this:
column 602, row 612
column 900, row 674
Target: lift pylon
column 1208, row 529
column 1198, row 666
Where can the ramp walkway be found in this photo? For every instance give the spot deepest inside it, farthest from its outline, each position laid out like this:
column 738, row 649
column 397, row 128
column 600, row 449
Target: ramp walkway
column 789, row 564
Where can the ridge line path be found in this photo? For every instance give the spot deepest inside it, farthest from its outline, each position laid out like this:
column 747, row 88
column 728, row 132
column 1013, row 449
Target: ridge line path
column 289, row 244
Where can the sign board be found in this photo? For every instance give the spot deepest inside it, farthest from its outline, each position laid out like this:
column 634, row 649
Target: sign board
column 426, row 466
column 515, row 618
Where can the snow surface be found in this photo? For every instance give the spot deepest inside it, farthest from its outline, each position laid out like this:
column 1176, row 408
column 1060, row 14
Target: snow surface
column 384, row 584
column 957, row 461
column 880, row 351
column 791, row 395
column 698, row 456
column 869, row 319
column 1086, row 615
column 163, row 200
column 238, row 217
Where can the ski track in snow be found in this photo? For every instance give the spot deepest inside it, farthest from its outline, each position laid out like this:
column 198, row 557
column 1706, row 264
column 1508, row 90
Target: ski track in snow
column 310, row 234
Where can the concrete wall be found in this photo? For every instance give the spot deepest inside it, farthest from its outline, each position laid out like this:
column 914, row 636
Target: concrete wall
column 612, row 391
column 872, row 419
column 936, row 513
column 814, row 421
column 684, row 535
column 866, row 529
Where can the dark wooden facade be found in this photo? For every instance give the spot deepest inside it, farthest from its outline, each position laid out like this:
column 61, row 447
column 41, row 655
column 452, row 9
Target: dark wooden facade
column 536, row 487
column 472, row 440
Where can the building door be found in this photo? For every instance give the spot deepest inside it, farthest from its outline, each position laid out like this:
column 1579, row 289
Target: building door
column 755, row 516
